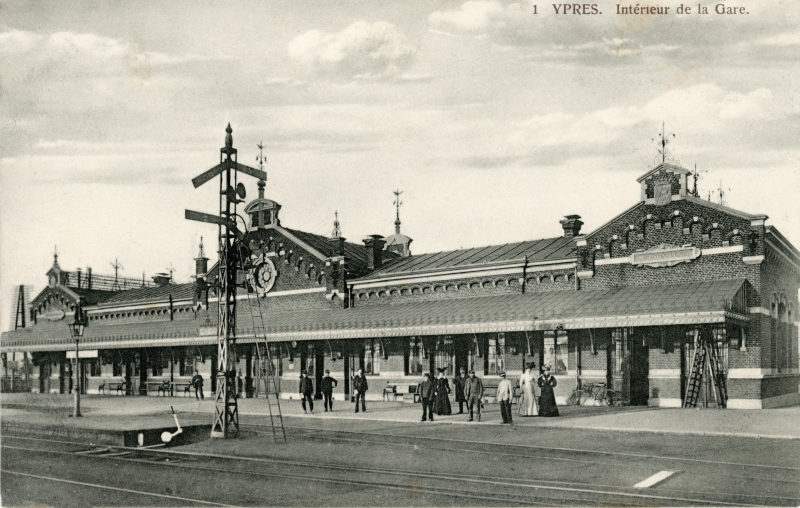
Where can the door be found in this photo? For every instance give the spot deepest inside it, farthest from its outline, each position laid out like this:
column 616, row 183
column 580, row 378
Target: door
column 461, row 349
column 319, row 367
column 639, row 368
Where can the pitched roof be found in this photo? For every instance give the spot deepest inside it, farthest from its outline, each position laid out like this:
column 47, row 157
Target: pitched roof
column 548, row 249
column 356, row 253
column 150, row 295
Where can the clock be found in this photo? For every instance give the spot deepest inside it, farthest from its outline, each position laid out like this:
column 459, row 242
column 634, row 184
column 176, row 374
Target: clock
column 263, row 274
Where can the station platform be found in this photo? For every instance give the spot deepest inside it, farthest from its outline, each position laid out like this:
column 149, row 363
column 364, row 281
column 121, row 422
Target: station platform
column 119, row 421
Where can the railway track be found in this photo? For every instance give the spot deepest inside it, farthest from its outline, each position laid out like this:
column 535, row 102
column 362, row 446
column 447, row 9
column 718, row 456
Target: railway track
column 504, row 490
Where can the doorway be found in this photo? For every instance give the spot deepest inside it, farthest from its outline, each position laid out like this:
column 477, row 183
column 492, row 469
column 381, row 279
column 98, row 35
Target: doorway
column 319, row 368
column 639, row 368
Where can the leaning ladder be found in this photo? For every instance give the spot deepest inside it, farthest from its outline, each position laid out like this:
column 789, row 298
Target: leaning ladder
column 705, row 357
column 266, row 381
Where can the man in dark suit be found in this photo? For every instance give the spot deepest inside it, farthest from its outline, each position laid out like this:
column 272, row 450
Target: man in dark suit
column 473, row 391
column 360, row 387
column 306, row 391
column 327, row 385
column 197, row 382
column 426, row 393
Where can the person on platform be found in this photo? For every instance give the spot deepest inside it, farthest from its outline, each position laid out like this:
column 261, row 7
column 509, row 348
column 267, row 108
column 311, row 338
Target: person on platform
column 473, row 392
column 547, row 401
column 458, row 382
column 441, row 402
column 360, row 388
column 426, row 394
column 504, row 394
column 197, row 382
column 327, row 386
column 306, row 391
column 527, row 403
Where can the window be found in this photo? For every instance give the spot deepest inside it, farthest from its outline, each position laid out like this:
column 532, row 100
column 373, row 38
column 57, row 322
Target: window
column 93, row 366
column 187, row 362
column 555, row 351
column 307, row 359
column 372, row 356
column 116, row 367
column 160, row 361
column 444, row 358
column 495, row 354
column 414, row 354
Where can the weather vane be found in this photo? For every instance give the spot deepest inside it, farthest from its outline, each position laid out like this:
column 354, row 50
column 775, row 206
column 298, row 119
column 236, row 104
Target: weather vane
column 337, row 231
column 663, row 153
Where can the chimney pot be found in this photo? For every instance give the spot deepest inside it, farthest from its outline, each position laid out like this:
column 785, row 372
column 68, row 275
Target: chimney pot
column 374, row 244
column 572, row 225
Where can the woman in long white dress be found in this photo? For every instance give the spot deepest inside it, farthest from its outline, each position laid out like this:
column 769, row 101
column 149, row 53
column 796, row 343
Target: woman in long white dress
column 527, row 403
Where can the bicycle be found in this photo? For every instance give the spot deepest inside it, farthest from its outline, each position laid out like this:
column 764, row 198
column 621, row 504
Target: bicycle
column 596, row 391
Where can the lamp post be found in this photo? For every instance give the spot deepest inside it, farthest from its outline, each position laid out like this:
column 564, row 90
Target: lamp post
column 76, row 330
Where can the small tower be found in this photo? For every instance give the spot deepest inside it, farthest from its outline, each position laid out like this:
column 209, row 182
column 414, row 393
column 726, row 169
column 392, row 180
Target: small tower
column 201, row 262
column 398, row 243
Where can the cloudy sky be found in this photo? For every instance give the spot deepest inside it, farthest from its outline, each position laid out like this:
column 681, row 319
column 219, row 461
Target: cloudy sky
column 495, row 119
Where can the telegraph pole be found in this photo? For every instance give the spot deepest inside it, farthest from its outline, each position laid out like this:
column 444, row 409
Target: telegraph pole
column 226, row 408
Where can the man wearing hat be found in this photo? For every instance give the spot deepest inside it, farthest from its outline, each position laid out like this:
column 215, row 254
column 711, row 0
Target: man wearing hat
column 425, row 390
column 306, row 391
column 504, row 394
column 473, row 392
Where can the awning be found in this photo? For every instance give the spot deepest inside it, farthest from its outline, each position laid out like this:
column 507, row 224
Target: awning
column 675, row 304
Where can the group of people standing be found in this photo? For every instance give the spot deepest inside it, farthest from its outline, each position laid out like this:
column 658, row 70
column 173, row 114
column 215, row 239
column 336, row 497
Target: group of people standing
column 435, row 393
column 326, row 386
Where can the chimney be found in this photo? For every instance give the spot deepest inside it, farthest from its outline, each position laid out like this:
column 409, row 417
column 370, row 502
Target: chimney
column 89, row 278
column 572, row 225
column 78, row 272
column 374, row 245
column 161, row 279
column 337, row 246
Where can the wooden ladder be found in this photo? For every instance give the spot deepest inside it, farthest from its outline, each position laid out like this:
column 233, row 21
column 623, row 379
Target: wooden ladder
column 265, row 380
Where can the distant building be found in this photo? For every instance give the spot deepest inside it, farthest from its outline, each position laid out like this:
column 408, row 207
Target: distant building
column 621, row 304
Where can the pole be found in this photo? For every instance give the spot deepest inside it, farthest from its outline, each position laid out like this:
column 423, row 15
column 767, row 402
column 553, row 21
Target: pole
column 76, row 390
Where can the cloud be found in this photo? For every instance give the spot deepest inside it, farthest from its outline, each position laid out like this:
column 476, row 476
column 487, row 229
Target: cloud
column 613, row 39
column 709, row 121
column 362, row 50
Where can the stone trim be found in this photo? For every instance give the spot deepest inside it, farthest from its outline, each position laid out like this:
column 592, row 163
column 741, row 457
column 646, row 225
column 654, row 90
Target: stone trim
column 753, row 260
column 778, row 250
column 664, row 374
column 665, row 402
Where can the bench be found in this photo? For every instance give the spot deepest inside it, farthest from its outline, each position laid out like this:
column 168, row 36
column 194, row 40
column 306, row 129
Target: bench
column 390, row 390
column 119, row 387
column 185, row 385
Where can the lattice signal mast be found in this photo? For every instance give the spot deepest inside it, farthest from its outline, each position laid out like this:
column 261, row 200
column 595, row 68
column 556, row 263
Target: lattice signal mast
column 226, row 406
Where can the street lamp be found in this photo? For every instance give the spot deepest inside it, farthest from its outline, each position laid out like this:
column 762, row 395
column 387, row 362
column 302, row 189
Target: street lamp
column 76, row 331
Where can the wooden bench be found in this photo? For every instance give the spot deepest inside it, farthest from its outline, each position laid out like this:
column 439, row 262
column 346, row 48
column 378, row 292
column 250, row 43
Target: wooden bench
column 390, row 391
column 119, row 387
column 185, row 385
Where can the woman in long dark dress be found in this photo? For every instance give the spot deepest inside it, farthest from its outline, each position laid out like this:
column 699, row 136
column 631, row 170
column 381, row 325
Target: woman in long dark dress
column 547, row 401
column 441, row 401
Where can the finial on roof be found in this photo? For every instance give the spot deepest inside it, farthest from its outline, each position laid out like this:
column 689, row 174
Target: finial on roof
column 55, row 255
column 337, row 231
column 228, row 136
column 663, row 153
column 397, row 204
column 202, row 253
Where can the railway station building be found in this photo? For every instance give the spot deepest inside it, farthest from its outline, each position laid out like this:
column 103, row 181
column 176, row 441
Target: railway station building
column 624, row 304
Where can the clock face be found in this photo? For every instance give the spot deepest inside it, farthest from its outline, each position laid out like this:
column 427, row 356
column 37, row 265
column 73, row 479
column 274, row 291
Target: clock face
column 263, row 275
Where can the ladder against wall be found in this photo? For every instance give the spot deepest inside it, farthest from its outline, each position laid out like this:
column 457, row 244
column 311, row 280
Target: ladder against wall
column 706, row 364
column 267, row 384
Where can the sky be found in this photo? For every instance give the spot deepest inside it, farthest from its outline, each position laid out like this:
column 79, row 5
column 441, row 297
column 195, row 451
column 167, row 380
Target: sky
column 494, row 118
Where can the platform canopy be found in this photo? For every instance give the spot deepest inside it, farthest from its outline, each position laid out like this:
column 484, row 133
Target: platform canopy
column 674, row 304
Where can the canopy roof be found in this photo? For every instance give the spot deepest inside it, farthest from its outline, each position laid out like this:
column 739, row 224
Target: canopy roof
column 675, row 304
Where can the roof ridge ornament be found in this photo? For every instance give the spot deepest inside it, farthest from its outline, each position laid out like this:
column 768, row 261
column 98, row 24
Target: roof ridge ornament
column 397, row 204
column 337, row 231
column 663, row 153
